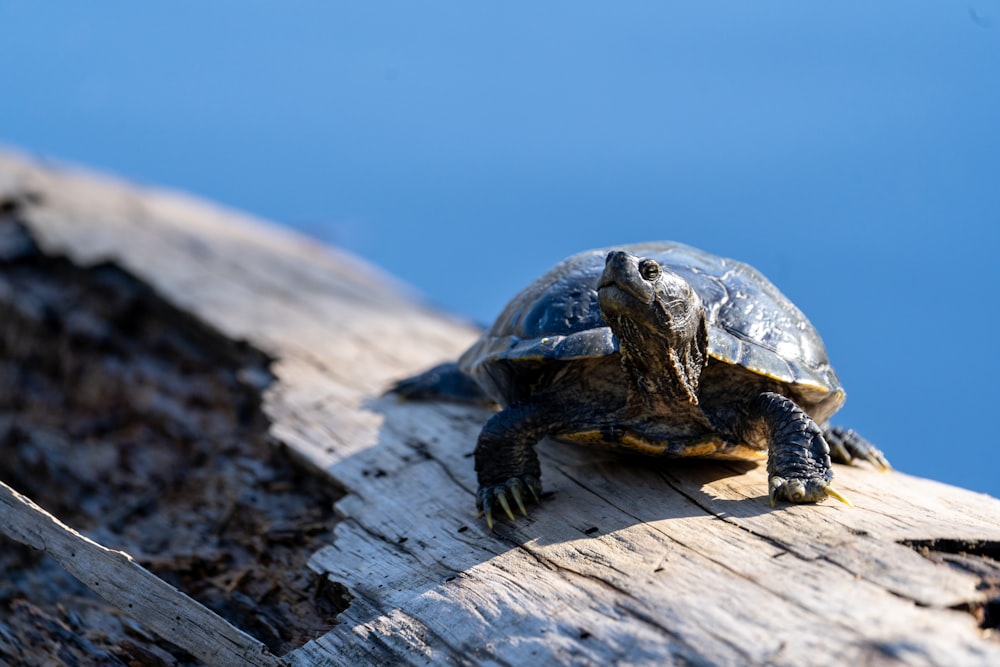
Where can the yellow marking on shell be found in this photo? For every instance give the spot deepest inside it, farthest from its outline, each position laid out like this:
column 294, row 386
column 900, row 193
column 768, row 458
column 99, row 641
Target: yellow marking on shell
column 585, row 438
column 637, row 443
column 740, row 453
column 709, row 447
column 629, row 440
column 703, row 448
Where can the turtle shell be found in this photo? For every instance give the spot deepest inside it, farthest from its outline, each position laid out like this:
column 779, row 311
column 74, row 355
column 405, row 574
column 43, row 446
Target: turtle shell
column 751, row 324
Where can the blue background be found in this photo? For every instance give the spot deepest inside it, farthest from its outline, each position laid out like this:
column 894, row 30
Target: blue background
column 849, row 150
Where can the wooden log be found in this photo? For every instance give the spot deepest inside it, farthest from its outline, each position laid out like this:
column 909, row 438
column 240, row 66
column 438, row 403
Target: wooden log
column 627, row 562
column 119, row 580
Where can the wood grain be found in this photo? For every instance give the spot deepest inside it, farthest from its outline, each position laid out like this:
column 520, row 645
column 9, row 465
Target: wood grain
column 627, row 561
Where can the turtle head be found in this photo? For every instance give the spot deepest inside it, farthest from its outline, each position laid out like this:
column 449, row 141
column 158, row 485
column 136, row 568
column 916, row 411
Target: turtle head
column 659, row 321
column 651, row 296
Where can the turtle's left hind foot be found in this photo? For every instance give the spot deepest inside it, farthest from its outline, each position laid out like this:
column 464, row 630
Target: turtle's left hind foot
column 846, row 446
column 798, row 461
column 444, row 382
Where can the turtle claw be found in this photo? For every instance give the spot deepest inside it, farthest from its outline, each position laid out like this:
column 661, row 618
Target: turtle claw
column 489, row 516
column 878, row 460
column 802, row 491
column 774, row 485
column 875, row 458
column 495, row 495
column 536, row 489
column 501, row 498
column 833, row 493
column 516, row 492
column 847, row 446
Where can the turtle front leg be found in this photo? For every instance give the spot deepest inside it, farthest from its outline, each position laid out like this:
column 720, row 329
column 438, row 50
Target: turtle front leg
column 506, row 462
column 798, row 460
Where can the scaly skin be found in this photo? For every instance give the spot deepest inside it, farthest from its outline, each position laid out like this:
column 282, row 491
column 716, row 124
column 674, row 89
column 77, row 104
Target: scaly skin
column 444, row 381
column 506, row 460
column 846, row 446
column 798, row 460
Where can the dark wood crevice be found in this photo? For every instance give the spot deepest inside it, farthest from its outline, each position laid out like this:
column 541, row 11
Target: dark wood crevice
column 980, row 558
column 142, row 427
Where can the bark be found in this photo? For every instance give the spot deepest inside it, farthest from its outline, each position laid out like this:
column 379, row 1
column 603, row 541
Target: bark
column 626, row 561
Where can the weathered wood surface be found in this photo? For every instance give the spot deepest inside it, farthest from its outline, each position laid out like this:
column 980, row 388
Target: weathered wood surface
column 122, row 582
column 628, row 562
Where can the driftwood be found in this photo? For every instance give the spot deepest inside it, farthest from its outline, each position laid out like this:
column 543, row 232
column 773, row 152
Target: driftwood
column 119, row 580
column 627, row 561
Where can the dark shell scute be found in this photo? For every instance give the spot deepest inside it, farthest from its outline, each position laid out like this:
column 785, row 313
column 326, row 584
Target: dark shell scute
column 751, row 323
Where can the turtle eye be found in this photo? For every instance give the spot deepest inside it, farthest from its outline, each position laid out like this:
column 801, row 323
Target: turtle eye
column 649, row 269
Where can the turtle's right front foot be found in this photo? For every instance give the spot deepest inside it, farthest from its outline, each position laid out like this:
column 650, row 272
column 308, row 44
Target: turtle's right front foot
column 516, row 489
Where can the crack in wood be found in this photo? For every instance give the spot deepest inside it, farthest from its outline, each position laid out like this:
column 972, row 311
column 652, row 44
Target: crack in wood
column 425, row 453
column 142, row 426
column 980, row 558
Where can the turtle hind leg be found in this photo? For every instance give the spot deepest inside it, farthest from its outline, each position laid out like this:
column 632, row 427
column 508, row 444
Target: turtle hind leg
column 798, row 460
column 847, row 446
column 443, row 382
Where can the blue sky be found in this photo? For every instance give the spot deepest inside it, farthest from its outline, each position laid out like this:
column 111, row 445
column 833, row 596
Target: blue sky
column 849, row 150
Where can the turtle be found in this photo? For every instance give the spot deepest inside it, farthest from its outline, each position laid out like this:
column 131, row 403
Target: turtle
column 657, row 348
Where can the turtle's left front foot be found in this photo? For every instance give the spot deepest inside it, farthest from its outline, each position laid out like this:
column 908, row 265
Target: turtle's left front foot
column 798, row 490
column 798, row 462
